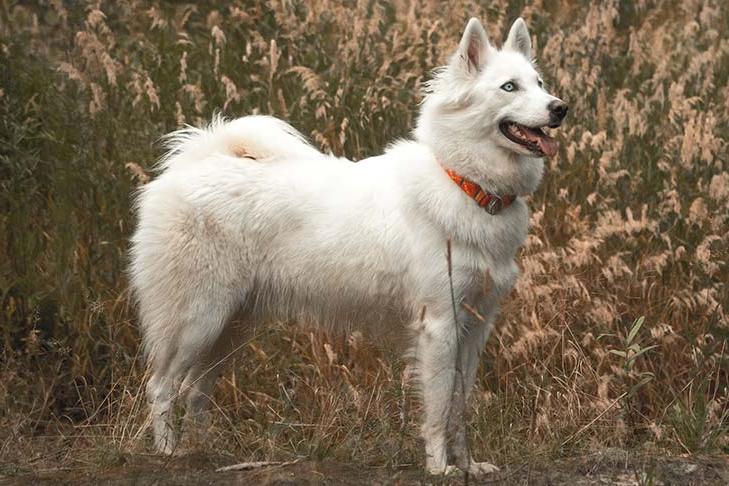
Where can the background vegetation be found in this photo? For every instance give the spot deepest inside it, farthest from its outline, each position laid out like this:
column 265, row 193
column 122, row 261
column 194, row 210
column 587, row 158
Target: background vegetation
column 632, row 220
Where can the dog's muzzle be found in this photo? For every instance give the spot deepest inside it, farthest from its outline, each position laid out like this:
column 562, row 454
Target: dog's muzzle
column 557, row 112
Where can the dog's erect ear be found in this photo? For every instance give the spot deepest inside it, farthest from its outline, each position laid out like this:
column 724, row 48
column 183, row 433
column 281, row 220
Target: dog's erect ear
column 518, row 39
column 474, row 48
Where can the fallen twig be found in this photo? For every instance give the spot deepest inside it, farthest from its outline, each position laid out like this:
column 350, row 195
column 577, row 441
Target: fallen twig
column 246, row 466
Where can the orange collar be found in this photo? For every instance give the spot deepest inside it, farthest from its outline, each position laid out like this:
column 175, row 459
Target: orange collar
column 492, row 203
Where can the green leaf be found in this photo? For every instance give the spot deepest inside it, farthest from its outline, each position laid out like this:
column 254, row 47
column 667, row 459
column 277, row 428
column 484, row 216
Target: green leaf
column 643, row 350
column 639, row 385
column 634, row 330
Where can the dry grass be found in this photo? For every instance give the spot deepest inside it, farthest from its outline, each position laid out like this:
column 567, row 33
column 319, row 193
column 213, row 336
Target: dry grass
column 632, row 220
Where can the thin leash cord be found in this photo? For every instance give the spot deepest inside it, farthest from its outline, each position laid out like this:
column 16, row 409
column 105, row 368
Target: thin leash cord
column 458, row 370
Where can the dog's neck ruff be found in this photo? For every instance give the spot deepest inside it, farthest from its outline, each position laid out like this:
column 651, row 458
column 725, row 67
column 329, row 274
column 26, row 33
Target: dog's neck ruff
column 492, row 203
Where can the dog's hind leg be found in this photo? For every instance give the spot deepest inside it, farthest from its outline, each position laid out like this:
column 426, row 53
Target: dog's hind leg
column 161, row 396
column 172, row 357
column 198, row 386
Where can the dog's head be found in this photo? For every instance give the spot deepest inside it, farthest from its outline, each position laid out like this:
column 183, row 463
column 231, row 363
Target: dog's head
column 497, row 95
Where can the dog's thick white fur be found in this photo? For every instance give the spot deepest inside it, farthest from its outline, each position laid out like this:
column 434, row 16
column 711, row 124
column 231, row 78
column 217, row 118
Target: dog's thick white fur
column 248, row 218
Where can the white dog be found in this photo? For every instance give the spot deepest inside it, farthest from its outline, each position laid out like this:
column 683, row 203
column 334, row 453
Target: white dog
column 249, row 219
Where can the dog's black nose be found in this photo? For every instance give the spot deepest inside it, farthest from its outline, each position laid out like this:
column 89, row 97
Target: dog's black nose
column 557, row 111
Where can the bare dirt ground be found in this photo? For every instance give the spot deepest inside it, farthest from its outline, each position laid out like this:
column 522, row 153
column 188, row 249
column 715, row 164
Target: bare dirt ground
column 610, row 466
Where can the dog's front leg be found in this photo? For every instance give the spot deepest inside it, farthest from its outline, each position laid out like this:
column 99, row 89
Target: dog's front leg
column 469, row 352
column 436, row 353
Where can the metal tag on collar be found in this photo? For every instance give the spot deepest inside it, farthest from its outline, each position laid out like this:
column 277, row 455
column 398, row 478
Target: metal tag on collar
column 495, row 205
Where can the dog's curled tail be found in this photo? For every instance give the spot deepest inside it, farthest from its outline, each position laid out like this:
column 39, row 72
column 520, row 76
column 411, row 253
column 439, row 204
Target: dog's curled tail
column 255, row 137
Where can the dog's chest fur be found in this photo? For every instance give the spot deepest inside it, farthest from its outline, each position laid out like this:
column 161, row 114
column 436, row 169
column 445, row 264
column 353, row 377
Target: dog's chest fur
column 487, row 271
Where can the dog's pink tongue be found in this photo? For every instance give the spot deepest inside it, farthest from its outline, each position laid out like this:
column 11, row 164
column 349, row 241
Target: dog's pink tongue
column 548, row 145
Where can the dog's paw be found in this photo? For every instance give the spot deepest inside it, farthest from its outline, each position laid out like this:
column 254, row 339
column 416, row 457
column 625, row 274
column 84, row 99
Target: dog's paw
column 165, row 449
column 480, row 469
column 447, row 471
column 475, row 469
column 165, row 445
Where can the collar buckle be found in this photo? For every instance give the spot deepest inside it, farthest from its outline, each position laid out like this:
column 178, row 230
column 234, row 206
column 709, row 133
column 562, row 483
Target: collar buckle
column 495, row 205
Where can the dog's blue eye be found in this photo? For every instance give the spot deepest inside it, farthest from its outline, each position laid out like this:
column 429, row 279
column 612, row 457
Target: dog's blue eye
column 508, row 86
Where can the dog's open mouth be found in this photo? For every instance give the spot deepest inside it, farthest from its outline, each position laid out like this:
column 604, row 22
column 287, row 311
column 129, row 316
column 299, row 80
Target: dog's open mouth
column 534, row 139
